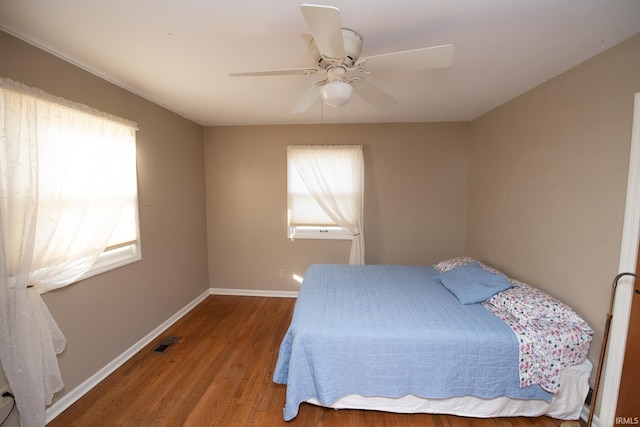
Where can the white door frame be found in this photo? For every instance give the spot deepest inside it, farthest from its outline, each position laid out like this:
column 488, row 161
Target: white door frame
column 624, row 294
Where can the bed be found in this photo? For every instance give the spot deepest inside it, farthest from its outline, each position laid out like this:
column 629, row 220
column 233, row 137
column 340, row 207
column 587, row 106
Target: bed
column 452, row 338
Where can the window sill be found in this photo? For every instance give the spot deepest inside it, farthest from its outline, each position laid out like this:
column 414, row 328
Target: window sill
column 115, row 258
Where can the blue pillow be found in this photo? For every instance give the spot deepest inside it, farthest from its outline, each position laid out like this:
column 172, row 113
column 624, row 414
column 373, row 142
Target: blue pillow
column 471, row 283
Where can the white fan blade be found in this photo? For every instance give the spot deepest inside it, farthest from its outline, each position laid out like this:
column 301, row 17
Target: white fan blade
column 307, row 99
column 284, row 72
column 374, row 95
column 416, row 59
column 326, row 29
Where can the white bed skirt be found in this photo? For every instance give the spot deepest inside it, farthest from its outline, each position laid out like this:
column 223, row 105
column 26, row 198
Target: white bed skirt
column 565, row 405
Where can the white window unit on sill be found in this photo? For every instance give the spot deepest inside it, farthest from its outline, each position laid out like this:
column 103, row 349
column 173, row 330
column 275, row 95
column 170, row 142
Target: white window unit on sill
column 317, row 232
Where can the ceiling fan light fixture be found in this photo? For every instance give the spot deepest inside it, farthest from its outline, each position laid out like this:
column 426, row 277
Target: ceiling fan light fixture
column 336, row 93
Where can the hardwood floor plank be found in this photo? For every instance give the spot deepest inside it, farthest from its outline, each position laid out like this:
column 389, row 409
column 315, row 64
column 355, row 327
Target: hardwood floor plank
column 219, row 373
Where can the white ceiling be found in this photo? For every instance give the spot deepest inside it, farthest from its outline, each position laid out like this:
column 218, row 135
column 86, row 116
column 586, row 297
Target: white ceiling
column 178, row 53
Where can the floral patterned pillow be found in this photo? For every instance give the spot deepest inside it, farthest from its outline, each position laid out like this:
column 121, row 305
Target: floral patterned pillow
column 528, row 304
column 450, row 264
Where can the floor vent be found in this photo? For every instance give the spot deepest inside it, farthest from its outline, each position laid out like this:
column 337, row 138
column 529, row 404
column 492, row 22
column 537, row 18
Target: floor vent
column 165, row 344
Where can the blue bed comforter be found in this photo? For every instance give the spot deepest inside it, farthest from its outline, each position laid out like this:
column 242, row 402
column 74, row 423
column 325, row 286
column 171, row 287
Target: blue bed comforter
column 389, row 330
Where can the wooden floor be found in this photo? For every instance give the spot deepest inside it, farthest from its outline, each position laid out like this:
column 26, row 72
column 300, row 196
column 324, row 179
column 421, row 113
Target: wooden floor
column 219, row 373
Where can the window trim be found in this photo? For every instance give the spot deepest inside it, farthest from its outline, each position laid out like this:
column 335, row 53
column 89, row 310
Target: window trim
column 114, row 258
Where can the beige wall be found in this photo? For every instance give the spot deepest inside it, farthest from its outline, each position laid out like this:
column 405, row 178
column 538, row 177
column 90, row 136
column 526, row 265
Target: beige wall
column 103, row 316
column 547, row 178
column 414, row 199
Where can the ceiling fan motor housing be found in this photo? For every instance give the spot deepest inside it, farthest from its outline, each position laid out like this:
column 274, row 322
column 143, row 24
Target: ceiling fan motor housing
column 352, row 46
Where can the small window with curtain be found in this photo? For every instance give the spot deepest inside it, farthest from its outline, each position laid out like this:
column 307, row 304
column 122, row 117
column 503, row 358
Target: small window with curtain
column 325, row 190
column 69, row 188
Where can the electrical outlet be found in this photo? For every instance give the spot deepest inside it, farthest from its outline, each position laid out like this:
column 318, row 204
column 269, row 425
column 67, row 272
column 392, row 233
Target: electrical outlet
column 281, row 272
column 4, row 401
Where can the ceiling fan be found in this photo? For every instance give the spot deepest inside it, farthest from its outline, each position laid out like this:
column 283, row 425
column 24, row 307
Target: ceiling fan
column 336, row 51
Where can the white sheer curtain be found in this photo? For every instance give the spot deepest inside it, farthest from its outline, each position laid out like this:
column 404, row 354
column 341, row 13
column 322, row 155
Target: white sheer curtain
column 61, row 196
column 334, row 175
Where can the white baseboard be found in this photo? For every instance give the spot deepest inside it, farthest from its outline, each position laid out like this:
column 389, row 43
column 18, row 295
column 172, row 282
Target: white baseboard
column 253, row 293
column 70, row 398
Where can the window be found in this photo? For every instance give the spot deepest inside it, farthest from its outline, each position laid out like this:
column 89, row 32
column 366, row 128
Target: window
column 325, row 188
column 124, row 246
column 307, row 219
column 69, row 180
